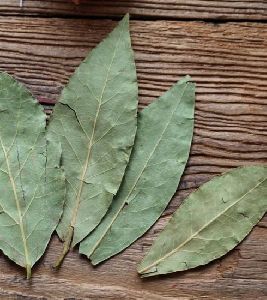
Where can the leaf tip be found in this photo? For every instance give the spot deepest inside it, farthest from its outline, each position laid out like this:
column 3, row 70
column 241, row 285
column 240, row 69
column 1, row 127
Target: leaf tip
column 126, row 16
column 146, row 272
column 94, row 262
column 188, row 77
column 125, row 20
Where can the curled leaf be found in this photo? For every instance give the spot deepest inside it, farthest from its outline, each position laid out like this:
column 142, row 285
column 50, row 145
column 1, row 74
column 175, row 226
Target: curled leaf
column 160, row 153
column 210, row 222
column 95, row 121
column 31, row 181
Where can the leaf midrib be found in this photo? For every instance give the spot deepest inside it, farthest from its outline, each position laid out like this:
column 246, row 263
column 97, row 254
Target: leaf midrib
column 139, row 176
column 144, row 270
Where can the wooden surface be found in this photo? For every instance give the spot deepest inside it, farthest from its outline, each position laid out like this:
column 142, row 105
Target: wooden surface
column 156, row 9
column 228, row 61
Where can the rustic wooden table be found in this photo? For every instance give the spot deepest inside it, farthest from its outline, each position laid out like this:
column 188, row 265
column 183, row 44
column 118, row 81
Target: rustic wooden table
column 223, row 45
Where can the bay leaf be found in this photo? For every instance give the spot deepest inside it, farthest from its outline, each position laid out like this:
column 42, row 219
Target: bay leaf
column 210, row 222
column 32, row 187
column 95, row 120
column 160, row 153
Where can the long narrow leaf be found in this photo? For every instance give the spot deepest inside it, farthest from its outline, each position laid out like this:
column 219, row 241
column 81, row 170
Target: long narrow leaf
column 95, row 120
column 210, row 222
column 31, row 181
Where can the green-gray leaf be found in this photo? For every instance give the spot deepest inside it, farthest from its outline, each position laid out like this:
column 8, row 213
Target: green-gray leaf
column 161, row 150
column 31, row 182
column 210, row 222
column 96, row 122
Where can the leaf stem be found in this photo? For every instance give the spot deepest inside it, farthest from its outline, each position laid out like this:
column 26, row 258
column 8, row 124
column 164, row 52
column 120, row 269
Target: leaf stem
column 28, row 271
column 66, row 248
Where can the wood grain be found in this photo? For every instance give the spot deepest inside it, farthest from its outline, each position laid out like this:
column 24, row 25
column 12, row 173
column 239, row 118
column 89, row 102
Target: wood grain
column 175, row 9
column 229, row 64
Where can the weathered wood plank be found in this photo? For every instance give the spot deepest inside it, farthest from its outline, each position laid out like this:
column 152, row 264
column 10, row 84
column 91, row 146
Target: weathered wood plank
column 175, row 9
column 229, row 64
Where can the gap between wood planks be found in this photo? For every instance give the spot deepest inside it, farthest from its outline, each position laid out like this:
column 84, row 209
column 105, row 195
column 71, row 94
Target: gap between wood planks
column 134, row 17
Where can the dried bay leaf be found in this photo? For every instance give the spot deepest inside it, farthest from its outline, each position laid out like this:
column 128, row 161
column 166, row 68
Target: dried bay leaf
column 31, row 181
column 210, row 222
column 159, row 156
column 95, row 121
